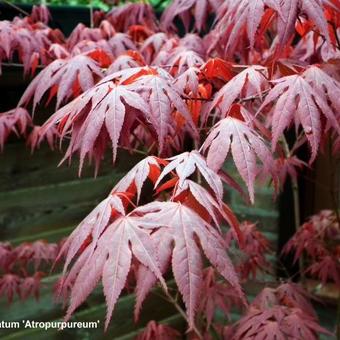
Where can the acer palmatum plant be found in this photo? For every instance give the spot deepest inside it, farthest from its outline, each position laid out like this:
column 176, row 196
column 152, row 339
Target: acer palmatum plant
column 318, row 239
column 246, row 74
column 22, row 268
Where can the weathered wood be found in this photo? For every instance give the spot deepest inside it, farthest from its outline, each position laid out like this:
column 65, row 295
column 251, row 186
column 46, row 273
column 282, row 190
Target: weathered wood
column 122, row 322
column 22, row 169
column 38, row 209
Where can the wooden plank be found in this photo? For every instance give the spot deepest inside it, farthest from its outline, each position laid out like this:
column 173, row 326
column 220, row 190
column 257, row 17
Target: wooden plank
column 51, row 236
column 122, row 322
column 20, row 169
column 35, row 210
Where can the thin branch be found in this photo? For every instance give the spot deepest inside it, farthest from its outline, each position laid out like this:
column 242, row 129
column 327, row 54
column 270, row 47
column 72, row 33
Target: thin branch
column 16, row 7
column 140, row 152
column 256, row 96
column 195, row 98
column 91, row 15
column 182, row 312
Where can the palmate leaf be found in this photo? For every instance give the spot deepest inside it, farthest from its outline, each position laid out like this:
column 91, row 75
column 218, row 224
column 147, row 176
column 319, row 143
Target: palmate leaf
column 145, row 278
column 185, row 165
column 200, row 9
column 181, row 59
column 120, row 43
column 10, row 286
column 124, row 61
column 157, row 87
column 217, row 296
column 302, row 99
column 291, row 9
column 154, row 331
column 152, row 45
column 149, row 167
column 99, row 114
column 111, row 259
column 30, row 285
column 251, row 81
column 208, row 208
column 91, row 228
column 129, row 14
column 13, row 121
column 62, row 77
column 277, row 323
column 244, row 143
column 237, row 17
column 183, row 225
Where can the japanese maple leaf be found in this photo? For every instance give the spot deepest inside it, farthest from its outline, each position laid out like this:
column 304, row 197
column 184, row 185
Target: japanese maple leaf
column 104, row 106
column 61, row 76
column 147, row 168
column 163, row 238
column 129, row 14
column 120, row 43
column 43, row 252
column 155, row 331
column 306, row 239
column 152, row 45
column 146, row 279
column 188, row 81
column 254, row 248
column 81, row 32
column 296, row 100
column 234, row 18
column 288, row 294
column 99, row 114
column 37, row 252
column 200, row 9
column 91, row 228
column 158, row 88
column 57, row 51
column 35, row 138
column 18, row 38
column 217, row 68
column 7, row 256
column 125, row 61
column 249, row 82
column 326, row 268
column 9, row 286
column 291, row 294
column 7, row 37
column 217, row 296
column 13, row 121
column 184, row 225
column 30, row 285
column 193, row 42
column 186, row 164
column 290, row 11
column 111, row 259
column 288, row 167
column 277, row 323
column 326, row 86
column 181, row 59
column 244, row 143
column 100, row 51
column 243, row 15
column 208, row 204
column 40, row 13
